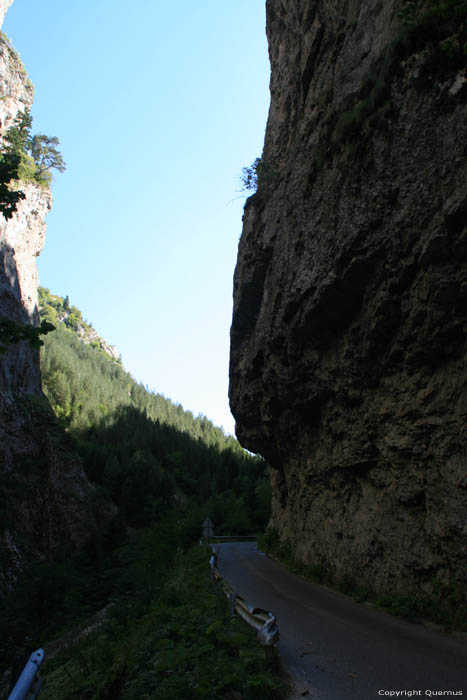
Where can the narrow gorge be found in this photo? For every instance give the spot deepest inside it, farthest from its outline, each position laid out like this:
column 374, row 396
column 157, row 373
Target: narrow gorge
column 348, row 340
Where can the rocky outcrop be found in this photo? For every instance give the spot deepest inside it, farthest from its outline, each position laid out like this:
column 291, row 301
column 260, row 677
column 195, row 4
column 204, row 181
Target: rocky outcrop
column 21, row 241
column 348, row 336
column 16, row 90
column 90, row 336
column 4, row 5
column 44, row 496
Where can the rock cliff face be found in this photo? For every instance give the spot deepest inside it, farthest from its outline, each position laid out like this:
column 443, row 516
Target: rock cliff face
column 44, row 496
column 16, row 90
column 21, row 241
column 4, row 5
column 348, row 367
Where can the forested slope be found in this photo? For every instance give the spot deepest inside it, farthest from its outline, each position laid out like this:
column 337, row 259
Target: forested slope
column 154, row 622
column 145, row 451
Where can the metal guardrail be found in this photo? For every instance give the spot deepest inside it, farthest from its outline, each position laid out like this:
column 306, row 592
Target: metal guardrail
column 29, row 683
column 209, row 536
column 232, row 538
column 263, row 621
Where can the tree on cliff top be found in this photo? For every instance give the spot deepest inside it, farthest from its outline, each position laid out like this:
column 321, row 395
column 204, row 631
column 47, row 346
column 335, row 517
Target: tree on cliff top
column 17, row 136
column 45, row 154
column 26, row 158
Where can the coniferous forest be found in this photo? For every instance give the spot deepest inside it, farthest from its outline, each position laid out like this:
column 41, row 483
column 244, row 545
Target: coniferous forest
column 147, row 453
column 134, row 614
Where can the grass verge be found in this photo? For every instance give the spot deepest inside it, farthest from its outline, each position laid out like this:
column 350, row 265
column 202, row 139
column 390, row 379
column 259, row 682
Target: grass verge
column 183, row 643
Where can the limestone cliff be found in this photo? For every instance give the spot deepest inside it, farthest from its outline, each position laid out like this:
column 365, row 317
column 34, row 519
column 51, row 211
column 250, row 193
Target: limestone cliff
column 44, row 496
column 348, row 367
column 4, row 5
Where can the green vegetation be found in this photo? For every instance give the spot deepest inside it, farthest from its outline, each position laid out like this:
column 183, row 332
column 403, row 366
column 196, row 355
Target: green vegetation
column 258, row 177
column 25, row 158
column 9, row 198
column 57, row 311
column 164, row 629
column 249, row 176
column 446, row 607
column 444, row 22
column 144, row 450
column 14, row 332
column 35, row 156
column 46, row 156
column 14, row 55
column 134, row 614
column 435, row 30
column 416, row 11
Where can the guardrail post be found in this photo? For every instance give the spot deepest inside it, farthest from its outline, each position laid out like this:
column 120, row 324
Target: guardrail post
column 269, row 633
column 212, row 563
column 269, row 636
column 208, row 529
column 271, row 657
column 262, row 621
column 232, row 599
column 28, row 684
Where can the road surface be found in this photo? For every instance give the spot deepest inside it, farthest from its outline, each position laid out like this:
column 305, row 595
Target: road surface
column 337, row 649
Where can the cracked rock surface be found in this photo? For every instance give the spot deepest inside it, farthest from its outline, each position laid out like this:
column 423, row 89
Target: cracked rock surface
column 348, row 367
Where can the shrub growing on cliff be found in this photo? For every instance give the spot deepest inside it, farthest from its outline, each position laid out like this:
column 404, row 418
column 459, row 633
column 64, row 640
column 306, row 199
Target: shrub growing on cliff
column 249, row 176
column 14, row 332
column 446, row 21
column 416, row 10
column 30, row 158
column 259, row 176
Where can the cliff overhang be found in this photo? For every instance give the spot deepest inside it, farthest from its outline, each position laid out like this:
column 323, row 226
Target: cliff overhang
column 348, row 336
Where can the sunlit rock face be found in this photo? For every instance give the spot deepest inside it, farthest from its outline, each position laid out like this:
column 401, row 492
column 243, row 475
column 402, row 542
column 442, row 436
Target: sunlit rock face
column 16, row 90
column 4, row 5
column 21, row 241
column 349, row 327
column 44, row 495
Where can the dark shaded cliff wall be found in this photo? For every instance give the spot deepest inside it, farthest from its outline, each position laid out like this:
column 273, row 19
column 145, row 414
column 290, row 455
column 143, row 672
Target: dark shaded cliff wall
column 45, row 499
column 348, row 368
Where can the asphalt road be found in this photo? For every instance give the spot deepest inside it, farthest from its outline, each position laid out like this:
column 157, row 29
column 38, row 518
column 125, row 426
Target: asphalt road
column 337, row 649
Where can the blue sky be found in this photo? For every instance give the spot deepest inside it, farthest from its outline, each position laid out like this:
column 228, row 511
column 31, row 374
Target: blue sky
column 158, row 106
